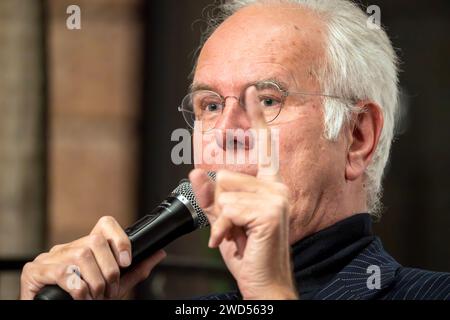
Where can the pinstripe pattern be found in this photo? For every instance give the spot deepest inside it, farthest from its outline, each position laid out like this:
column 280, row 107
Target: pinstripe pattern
column 396, row 282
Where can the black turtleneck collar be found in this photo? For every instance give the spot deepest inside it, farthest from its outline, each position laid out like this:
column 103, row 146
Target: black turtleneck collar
column 319, row 257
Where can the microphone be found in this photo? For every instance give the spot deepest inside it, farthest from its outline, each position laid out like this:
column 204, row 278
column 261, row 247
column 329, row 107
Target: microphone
column 177, row 215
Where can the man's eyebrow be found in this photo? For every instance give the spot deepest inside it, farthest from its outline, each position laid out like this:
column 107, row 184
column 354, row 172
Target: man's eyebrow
column 280, row 83
column 203, row 86
column 200, row 86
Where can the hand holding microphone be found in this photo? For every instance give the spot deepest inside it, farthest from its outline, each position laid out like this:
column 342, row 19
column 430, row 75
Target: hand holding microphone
column 110, row 261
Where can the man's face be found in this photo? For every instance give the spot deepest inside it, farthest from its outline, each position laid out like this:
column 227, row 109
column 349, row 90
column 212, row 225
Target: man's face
column 286, row 44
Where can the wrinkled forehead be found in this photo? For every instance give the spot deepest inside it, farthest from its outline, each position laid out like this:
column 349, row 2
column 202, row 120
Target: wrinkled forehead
column 263, row 42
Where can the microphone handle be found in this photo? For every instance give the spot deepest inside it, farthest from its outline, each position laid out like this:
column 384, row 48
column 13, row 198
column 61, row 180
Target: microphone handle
column 167, row 222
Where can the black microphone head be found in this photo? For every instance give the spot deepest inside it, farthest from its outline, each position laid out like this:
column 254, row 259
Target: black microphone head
column 185, row 189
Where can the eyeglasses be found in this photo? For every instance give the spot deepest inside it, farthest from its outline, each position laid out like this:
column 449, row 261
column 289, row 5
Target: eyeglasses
column 207, row 106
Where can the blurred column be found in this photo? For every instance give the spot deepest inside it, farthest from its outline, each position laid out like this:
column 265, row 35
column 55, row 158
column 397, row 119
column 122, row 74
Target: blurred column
column 94, row 98
column 21, row 144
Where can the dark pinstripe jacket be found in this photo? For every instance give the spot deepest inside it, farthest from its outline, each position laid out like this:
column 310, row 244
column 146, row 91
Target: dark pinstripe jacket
column 396, row 282
column 363, row 272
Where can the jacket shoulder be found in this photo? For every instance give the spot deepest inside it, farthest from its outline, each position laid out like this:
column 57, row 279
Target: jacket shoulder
column 374, row 274
column 418, row 284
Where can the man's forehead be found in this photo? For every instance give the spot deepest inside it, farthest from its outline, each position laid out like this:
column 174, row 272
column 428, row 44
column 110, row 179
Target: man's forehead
column 276, row 43
column 233, row 78
column 267, row 27
column 233, row 75
column 255, row 43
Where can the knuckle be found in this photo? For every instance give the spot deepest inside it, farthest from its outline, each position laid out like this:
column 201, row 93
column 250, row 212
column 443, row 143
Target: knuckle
column 56, row 248
column 61, row 271
column 96, row 240
column 42, row 257
column 277, row 209
column 106, row 221
column 228, row 212
column 222, row 199
column 282, row 188
column 272, row 217
column 98, row 288
column 27, row 269
column 220, row 176
column 280, row 203
column 81, row 292
column 82, row 253
column 112, row 274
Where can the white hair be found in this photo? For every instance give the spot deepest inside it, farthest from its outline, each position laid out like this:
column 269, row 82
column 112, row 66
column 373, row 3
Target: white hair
column 361, row 64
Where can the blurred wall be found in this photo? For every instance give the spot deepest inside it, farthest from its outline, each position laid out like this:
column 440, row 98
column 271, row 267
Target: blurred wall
column 415, row 226
column 94, row 102
column 21, row 134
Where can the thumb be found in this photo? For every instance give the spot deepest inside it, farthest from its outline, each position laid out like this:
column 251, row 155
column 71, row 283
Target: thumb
column 203, row 188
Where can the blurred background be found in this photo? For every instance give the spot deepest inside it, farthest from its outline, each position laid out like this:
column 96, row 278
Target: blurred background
column 87, row 115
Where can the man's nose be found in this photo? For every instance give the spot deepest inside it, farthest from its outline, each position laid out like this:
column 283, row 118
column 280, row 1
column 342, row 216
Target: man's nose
column 233, row 117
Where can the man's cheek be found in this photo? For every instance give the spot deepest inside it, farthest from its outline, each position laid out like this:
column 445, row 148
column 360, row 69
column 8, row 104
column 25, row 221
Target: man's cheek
column 303, row 161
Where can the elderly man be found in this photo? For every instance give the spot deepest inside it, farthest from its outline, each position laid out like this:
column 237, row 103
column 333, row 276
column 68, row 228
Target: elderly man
column 317, row 73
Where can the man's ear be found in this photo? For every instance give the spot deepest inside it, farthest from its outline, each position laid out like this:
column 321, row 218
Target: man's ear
column 363, row 139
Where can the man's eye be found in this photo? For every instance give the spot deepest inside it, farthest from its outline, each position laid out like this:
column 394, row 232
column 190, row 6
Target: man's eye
column 269, row 102
column 212, row 107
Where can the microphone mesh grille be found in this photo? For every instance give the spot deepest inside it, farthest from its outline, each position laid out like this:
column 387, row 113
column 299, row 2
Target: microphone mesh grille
column 185, row 189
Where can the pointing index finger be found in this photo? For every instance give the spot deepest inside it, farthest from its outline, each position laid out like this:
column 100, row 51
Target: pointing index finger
column 267, row 150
